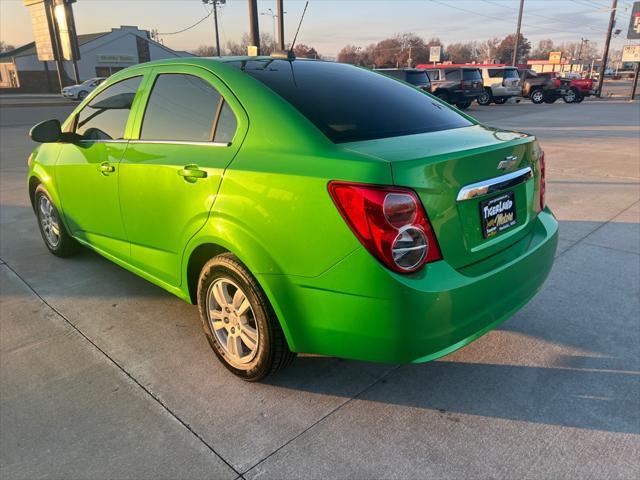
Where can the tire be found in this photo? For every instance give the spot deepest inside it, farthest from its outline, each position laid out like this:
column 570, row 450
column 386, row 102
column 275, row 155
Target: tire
column 250, row 344
column 82, row 94
column 464, row 105
column 579, row 98
column 54, row 233
column 485, row 98
column 500, row 100
column 570, row 96
column 537, row 96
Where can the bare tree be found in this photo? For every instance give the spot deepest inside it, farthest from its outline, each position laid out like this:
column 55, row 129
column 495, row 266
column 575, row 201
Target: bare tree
column 304, row 51
column 205, row 51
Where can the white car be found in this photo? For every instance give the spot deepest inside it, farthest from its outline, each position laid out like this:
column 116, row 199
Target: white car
column 79, row 92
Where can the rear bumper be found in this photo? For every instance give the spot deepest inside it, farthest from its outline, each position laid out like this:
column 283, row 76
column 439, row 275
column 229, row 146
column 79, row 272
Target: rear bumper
column 360, row 310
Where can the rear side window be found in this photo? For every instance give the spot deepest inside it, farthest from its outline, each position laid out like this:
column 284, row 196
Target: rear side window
column 105, row 117
column 417, row 78
column 453, row 75
column 471, row 74
column 180, row 107
column 349, row 103
column 511, row 73
column 495, row 72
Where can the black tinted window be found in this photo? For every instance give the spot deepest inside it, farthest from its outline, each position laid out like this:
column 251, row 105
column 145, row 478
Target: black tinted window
column 495, row 72
column 348, row 103
column 226, row 125
column 417, row 78
column 181, row 107
column 471, row 75
column 105, row 117
column 453, row 75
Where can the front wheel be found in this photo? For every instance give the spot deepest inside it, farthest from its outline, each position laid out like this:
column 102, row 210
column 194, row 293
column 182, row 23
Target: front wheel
column 82, row 95
column 537, row 96
column 485, row 98
column 53, row 231
column 238, row 320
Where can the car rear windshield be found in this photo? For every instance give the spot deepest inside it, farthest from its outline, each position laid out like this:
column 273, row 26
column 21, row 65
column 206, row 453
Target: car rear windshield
column 470, row 74
column 351, row 104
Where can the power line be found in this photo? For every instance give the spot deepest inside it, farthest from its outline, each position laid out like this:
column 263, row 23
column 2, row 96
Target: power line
column 191, row 26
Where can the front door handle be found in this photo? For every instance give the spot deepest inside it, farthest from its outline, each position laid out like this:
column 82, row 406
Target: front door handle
column 192, row 171
column 106, row 168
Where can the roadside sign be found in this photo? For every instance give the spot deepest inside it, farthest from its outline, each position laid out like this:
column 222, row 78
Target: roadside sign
column 43, row 33
column 434, row 53
column 631, row 53
column 634, row 23
column 555, row 57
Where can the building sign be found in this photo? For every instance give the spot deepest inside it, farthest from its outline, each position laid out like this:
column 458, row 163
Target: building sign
column 631, row 53
column 555, row 57
column 42, row 25
column 634, row 23
column 107, row 58
column 66, row 29
column 434, row 53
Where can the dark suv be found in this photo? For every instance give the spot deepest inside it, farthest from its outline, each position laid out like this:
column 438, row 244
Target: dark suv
column 459, row 86
column 413, row 76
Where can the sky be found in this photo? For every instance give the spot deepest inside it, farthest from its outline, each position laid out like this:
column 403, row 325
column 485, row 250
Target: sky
column 331, row 24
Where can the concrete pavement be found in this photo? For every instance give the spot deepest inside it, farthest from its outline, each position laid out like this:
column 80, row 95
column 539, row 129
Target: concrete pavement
column 103, row 375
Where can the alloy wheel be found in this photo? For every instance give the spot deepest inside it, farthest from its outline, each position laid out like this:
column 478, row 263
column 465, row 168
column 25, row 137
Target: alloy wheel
column 49, row 221
column 537, row 96
column 570, row 96
column 233, row 322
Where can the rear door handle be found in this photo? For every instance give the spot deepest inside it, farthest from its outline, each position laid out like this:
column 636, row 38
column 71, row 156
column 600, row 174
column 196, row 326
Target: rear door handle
column 106, row 168
column 192, row 171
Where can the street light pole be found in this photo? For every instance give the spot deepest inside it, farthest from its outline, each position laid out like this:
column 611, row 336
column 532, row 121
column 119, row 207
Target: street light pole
column 254, row 28
column 281, row 13
column 517, row 39
column 605, row 54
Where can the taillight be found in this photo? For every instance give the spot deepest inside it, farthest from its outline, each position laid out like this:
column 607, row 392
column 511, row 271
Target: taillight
column 390, row 222
column 543, row 181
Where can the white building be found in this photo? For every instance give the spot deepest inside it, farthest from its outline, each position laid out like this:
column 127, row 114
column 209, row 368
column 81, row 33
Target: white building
column 101, row 54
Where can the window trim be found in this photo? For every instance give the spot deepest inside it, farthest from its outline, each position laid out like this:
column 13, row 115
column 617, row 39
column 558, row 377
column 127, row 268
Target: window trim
column 214, row 126
column 74, row 123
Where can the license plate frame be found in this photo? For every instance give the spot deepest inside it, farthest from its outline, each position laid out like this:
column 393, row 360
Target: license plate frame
column 498, row 214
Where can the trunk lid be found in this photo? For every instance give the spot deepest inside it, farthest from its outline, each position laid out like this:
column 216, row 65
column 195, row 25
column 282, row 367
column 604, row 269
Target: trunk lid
column 438, row 165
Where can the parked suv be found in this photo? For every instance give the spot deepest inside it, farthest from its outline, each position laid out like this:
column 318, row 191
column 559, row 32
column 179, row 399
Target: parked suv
column 500, row 84
column 459, row 86
column 414, row 76
column 540, row 87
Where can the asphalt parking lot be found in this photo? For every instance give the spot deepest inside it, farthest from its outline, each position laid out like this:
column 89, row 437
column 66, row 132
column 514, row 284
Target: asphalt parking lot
column 103, row 375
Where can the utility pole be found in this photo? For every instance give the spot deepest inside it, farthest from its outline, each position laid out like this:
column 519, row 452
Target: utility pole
column 254, row 29
column 215, row 4
column 281, row 13
column 605, row 54
column 517, row 40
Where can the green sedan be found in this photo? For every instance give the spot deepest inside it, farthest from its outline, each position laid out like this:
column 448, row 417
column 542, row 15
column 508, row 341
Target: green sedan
column 304, row 206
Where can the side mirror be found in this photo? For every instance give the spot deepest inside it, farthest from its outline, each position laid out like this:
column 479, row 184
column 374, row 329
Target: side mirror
column 48, row 131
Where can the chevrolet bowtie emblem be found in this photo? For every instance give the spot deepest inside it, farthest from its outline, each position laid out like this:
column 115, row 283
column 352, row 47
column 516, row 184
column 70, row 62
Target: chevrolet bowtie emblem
column 508, row 162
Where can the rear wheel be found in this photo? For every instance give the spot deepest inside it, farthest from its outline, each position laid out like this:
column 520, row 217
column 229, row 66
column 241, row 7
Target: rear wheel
column 238, row 320
column 53, row 231
column 500, row 100
column 82, row 94
column 464, row 105
column 537, row 96
column 571, row 95
column 485, row 98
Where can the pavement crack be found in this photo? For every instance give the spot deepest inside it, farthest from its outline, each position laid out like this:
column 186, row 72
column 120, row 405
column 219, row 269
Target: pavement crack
column 327, row 415
column 121, row 368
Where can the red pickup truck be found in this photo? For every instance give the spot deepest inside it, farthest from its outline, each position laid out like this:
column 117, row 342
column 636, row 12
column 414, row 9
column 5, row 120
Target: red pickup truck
column 578, row 87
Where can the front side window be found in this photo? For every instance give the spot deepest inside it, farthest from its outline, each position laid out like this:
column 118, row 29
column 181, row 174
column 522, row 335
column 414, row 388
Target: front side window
column 471, row 74
column 184, row 108
column 349, row 103
column 417, row 78
column 105, row 117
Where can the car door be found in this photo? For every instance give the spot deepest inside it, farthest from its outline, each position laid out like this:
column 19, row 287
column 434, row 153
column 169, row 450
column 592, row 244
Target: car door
column 189, row 132
column 87, row 170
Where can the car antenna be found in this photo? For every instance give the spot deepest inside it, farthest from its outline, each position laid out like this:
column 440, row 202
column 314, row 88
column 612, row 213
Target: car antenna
column 288, row 54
